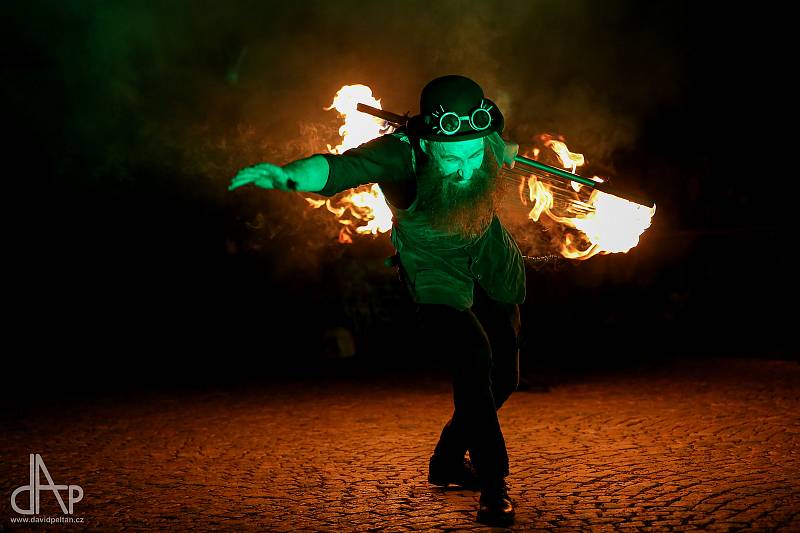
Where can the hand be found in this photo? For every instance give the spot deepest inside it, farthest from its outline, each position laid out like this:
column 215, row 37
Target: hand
column 264, row 175
column 512, row 149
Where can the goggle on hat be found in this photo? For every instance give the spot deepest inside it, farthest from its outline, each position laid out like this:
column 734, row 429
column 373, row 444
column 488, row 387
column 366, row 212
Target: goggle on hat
column 453, row 108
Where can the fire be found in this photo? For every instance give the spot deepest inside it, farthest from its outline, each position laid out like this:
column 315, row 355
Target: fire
column 608, row 223
column 363, row 205
column 616, row 224
column 358, row 127
column 566, row 157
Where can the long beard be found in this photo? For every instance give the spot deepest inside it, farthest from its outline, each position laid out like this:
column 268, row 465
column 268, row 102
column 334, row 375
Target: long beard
column 465, row 210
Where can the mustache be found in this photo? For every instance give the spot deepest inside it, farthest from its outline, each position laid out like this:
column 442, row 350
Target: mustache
column 456, row 207
column 432, row 175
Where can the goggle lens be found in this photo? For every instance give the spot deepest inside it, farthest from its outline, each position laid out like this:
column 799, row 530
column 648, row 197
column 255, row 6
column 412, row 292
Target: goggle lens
column 481, row 119
column 449, row 123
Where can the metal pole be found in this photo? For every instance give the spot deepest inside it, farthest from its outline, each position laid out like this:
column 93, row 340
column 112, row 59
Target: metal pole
column 388, row 116
column 604, row 187
column 556, row 171
column 402, row 120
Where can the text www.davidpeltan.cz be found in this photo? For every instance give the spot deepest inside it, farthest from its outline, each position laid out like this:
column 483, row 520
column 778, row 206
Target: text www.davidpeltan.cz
column 47, row 520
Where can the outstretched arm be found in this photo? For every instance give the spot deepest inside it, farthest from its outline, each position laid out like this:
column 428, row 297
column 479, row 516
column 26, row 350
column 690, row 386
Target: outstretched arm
column 385, row 159
column 307, row 175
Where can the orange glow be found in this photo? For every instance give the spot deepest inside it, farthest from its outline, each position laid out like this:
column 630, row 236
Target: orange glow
column 608, row 224
column 568, row 159
column 596, row 222
column 615, row 225
column 358, row 127
column 365, row 206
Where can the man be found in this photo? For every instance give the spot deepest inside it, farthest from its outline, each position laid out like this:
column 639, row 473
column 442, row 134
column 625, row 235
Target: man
column 439, row 175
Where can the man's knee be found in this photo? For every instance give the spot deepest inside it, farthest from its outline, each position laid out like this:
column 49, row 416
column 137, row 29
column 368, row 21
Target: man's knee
column 505, row 379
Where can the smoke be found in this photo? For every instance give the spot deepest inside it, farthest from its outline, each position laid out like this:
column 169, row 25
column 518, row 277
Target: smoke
column 128, row 118
column 173, row 97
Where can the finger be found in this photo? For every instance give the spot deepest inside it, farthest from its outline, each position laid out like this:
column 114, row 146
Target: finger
column 237, row 184
column 247, row 174
column 246, row 177
column 251, row 175
column 241, row 180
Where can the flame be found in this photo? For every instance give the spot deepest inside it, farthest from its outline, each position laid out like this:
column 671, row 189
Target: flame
column 608, row 223
column 566, row 157
column 358, row 127
column 616, row 224
column 366, row 204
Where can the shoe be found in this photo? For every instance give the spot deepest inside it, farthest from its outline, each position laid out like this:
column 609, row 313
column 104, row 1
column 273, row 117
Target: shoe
column 495, row 507
column 461, row 474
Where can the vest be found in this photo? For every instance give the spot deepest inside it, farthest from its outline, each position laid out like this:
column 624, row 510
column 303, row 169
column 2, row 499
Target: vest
column 441, row 268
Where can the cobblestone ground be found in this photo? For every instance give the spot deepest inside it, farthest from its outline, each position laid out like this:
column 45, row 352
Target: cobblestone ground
column 681, row 446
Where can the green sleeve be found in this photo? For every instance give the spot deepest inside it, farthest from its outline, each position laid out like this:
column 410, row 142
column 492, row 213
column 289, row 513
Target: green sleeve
column 384, row 159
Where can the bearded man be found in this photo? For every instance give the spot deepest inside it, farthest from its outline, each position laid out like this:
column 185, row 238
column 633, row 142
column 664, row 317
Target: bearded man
column 439, row 175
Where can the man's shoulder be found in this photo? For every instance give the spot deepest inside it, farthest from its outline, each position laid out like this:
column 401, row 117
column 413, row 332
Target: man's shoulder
column 390, row 149
column 395, row 142
column 401, row 136
column 403, row 140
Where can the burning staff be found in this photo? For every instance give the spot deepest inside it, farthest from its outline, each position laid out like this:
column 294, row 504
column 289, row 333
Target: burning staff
column 401, row 121
column 606, row 219
column 611, row 219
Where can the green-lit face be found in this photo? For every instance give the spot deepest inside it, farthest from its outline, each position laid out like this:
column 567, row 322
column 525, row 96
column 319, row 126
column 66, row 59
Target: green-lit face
column 456, row 186
column 458, row 160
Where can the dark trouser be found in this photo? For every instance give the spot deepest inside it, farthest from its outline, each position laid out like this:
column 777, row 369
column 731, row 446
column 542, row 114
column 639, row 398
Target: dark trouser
column 482, row 351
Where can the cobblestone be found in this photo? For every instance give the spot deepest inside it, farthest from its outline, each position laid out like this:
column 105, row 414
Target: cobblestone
column 683, row 446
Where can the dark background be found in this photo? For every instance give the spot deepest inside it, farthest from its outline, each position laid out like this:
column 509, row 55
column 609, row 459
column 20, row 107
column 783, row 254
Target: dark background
column 130, row 264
